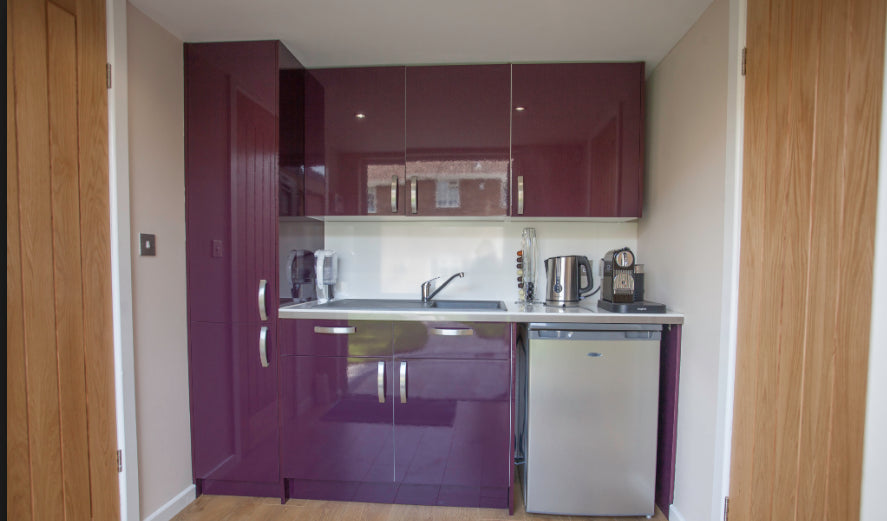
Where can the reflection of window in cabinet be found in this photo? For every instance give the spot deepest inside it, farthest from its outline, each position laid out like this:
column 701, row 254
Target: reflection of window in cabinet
column 371, row 199
column 447, row 193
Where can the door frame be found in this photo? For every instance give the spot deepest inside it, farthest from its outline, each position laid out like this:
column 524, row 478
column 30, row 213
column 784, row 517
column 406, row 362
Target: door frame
column 121, row 260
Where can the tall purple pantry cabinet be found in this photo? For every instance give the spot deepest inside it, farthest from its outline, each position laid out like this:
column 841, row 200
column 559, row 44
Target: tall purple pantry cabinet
column 233, row 154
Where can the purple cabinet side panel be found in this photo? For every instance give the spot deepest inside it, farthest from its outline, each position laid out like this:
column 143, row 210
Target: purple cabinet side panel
column 669, row 378
column 207, row 190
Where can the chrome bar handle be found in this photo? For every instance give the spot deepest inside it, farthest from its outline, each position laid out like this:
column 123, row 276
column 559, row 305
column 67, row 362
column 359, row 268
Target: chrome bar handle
column 520, row 195
column 414, row 194
column 263, row 346
column 446, row 331
column 263, row 313
column 394, row 194
column 403, row 382
column 342, row 330
column 380, row 382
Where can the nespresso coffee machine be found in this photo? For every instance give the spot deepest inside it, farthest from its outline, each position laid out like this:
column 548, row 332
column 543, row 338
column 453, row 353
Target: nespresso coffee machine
column 302, row 276
column 622, row 284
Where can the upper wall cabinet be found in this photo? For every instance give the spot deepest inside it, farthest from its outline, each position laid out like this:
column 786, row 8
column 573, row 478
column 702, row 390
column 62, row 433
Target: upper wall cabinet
column 577, row 140
column 354, row 140
column 457, row 140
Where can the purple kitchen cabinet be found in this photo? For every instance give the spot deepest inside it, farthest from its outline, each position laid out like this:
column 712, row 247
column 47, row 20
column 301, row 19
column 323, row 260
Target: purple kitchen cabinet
column 337, row 428
column 234, row 94
column 233, row 155
column 233, row 403
column 452, row 432
column 355, row 338
column 457, row 140
column 354, row 139
column 577, row 140
column 417, row 427
column 453, row 340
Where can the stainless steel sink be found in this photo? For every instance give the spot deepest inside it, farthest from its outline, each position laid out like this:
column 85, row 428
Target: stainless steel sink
column 354, row 304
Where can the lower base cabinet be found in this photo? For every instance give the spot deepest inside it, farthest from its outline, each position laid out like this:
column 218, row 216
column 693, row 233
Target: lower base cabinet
column 427, row 424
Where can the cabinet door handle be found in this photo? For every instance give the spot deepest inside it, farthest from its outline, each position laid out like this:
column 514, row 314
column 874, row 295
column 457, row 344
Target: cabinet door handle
column 263, row 346
column 342, row 330
column 263, row 314
column 414, row 194
column 520, row 195
column 403, row 382
column 380, row 382
column 445, row 331
column 394, row 194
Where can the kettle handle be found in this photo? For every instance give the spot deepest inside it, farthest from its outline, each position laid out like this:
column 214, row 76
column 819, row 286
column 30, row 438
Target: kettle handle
column 584, row 263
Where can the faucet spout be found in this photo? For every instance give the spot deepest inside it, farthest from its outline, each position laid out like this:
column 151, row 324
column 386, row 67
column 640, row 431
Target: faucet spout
column 427, row 294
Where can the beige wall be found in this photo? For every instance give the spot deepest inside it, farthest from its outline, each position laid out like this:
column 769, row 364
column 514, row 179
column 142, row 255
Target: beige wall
column 157, row 199
column 681, row 240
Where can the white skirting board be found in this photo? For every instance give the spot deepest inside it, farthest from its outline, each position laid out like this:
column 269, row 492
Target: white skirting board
column 674, row 515
column 174, row 505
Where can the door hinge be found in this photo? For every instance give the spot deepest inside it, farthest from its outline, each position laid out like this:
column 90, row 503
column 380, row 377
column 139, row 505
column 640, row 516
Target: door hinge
column 726, row 507
column 119, row 460
column 108, row 74
column 744, row 53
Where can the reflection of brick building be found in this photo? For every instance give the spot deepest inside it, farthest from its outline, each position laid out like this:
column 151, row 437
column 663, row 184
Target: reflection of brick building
column 457, row 187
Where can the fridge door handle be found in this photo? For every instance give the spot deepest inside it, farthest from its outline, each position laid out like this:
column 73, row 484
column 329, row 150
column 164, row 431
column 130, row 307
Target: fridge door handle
column 394, row 194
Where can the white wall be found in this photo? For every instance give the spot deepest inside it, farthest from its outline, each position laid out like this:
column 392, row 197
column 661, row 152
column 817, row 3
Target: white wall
column 157, row 188
column 392, row 259
column 683, row 237
column 874, row 480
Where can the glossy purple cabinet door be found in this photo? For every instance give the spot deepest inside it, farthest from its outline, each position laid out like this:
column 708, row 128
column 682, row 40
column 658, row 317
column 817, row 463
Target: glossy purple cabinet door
column 231, row 181
column 457, row 140
column 355, row 139
column 453, row 340
column 233, row 402
column 355, row 338
column 577, row 140
column 452, row 432
column 337, row 428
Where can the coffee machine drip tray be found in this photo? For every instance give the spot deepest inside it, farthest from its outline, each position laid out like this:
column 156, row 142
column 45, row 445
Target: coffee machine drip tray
column 640, row 306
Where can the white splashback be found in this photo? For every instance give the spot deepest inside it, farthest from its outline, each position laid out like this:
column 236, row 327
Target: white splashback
column 391, row 259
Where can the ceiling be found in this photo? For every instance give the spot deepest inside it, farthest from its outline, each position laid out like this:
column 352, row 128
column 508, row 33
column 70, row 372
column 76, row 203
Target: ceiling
column 340, row 33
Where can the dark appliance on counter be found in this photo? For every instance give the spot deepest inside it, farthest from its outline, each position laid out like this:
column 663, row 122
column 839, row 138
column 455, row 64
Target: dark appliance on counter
column 622, row 284
column 564, row 285
column 302, row 276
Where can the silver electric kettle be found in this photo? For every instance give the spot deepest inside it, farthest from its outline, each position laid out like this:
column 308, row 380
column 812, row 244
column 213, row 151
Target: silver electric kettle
column 563, row 274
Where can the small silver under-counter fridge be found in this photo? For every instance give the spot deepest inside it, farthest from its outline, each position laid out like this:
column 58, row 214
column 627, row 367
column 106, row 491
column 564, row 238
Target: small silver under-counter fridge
column 589, row 412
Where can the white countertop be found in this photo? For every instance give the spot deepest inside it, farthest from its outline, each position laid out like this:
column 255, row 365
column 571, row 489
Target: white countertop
column 522, row 313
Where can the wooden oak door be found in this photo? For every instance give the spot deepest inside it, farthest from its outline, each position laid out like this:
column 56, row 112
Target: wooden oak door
column 60, row 424
column 813, row 89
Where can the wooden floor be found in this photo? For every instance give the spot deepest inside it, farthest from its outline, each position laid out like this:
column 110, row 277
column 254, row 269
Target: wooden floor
column 235, row 508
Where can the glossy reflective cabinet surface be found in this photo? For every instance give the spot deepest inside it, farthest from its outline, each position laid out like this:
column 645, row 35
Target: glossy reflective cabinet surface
column 355, row 139
column 381, row 411
column 577, row 138
column 233, row 157
column 457, row 140
column 234, row 404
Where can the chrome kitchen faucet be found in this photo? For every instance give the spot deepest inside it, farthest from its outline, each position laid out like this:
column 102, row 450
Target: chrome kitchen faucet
column 427, row 295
